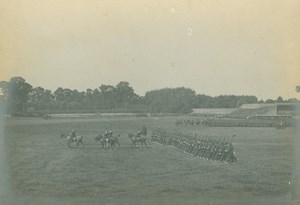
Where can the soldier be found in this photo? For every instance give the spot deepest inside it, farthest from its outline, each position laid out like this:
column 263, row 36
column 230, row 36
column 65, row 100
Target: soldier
column 110, row 133
column 139, row 133
column 190, row 148
column 230, row 154
column 207, row 150
column 106, row 136
column 73, row 134
column 144, row 131
column 106, row 133
column 224, row 153
column 203, row 150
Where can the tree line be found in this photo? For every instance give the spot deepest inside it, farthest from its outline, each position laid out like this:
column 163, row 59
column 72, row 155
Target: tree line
column 19, row 96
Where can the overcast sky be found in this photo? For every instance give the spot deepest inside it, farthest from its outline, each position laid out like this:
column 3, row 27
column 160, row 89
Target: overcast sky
column 214, row 47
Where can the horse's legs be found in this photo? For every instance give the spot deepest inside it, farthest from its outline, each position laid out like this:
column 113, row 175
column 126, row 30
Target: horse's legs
column 143, row 143
column 113, row 146
column 82, row 143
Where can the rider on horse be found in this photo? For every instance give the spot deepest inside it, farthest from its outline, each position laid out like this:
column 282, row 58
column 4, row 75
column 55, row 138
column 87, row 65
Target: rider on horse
column 144, row 131
column 73, row 134
column 139, row 134
column 110, row 134
column 106, row 134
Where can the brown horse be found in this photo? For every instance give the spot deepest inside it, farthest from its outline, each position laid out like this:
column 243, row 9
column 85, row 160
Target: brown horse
column 101, row 139
column 76, row 140
column 107, row 142
column 137, row 139
column 112, row 141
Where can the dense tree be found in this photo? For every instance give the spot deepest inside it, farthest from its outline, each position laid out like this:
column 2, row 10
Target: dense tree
column 89, row 98
column 124, row 95
column 202, row 101
column 2, row 104
column 279, row 100
column 96, row 99
column 270, row 101
column 170, row 100
column 19, row 96
column 16, row 92
column 108, row 93
column 292, row 100
column 40, row 98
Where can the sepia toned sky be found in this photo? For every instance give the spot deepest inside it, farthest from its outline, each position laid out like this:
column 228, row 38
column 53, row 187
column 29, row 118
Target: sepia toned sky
column 216, row 47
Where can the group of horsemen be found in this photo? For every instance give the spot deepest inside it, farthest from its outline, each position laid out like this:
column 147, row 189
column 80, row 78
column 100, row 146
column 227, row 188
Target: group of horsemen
column 108, row 134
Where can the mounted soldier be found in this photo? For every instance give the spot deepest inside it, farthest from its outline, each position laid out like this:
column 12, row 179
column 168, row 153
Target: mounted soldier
column 73, row 138
column 139, row 134
column 106, row 133
column 73, row 134
column 144, row 131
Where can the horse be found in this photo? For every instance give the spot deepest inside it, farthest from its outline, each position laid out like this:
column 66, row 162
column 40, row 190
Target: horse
column 76, row 140
column 107, row 142
column 136, row 139
column 101, row 139
column 112, row 141
column 62, row 135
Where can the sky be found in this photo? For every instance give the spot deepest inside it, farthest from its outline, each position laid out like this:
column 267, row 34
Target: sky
column 216, row 47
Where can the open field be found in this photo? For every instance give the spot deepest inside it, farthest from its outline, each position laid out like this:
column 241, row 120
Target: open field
column 42, row 168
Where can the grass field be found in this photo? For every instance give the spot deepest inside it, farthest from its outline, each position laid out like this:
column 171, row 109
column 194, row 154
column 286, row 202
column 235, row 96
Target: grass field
column 42, row 169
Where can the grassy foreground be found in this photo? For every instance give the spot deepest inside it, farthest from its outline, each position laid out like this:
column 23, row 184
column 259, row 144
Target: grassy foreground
column 42, row 168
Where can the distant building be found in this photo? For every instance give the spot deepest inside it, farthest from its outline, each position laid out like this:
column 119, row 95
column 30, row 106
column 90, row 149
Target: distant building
column 288, row 108
column 257, row 109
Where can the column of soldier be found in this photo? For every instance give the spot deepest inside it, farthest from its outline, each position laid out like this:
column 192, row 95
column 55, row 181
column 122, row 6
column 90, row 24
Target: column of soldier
column 215, row 122
column 208, row 147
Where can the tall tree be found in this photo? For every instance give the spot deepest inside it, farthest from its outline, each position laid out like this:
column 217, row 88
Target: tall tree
column 40, row 98
column 16, row 92
column 96, row 99
column 108, row 96
column 89, row 98
column 170, row 100
column 124, row 95
column 280, row 100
